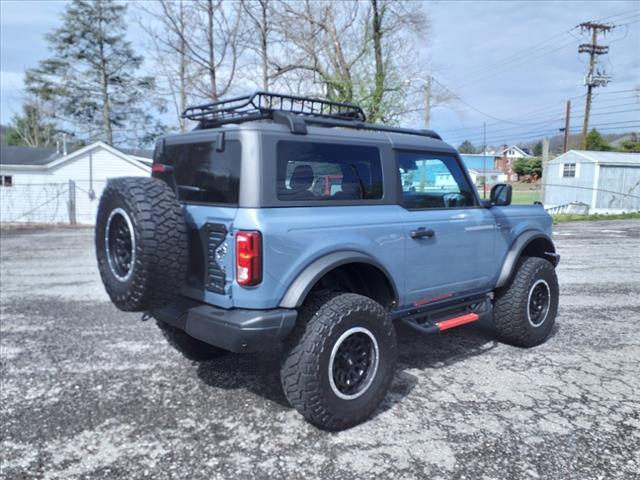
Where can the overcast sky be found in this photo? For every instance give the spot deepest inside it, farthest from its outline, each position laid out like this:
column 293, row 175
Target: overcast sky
column 512, row 64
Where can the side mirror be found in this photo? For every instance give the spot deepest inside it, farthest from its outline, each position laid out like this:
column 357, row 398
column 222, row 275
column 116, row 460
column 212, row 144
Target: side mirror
column 501, row 195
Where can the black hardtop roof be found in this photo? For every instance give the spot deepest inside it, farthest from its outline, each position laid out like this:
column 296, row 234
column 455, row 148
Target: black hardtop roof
column 394, row 139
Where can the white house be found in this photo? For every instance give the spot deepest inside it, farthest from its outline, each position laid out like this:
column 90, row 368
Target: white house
column 35, row 183
column 606, row 182
column 512, row 152
column 492, row 176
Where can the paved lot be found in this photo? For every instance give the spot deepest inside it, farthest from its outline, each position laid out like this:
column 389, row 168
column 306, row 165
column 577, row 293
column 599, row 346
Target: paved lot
column 90, row 392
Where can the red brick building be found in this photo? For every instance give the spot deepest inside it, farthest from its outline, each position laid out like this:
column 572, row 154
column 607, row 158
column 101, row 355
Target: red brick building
column 506, row 158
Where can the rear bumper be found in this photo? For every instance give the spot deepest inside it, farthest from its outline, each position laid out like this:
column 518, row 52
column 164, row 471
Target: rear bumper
column 236, row 330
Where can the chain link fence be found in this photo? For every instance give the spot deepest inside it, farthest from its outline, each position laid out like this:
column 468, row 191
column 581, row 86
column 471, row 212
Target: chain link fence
column 50, row 203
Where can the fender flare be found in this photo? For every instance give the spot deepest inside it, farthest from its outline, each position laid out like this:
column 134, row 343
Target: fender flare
column 511, row 260
column 304, row 282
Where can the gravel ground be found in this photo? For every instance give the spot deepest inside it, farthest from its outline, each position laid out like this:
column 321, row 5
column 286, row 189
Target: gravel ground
column 91, row 392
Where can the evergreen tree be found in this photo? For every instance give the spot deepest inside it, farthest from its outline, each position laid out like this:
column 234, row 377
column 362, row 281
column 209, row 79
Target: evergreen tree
column 596, row 142
column 92, row 74
column 537, row 149
column 466, row 147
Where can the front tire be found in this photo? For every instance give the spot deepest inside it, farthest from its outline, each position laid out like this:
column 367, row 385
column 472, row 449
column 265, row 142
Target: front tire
column 339, row 361
column 525, row 310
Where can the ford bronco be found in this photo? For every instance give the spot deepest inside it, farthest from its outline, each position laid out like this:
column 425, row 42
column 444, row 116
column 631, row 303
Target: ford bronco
column 291, row 221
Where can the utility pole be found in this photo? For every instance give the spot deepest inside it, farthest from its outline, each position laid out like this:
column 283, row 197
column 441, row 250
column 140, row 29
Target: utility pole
column 484, row 160
column 427, row 101
column 597, row 78
column 545, row 159
column 567, row 121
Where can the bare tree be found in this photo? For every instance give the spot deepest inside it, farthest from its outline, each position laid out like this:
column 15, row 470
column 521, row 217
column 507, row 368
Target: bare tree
column 34, row 127
column 260, row 13
column 197, row 46
column 213, row 45
column 323, row 40
column 356, row 51
column 167, row 46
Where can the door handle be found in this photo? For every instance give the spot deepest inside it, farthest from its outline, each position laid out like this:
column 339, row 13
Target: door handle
column 422, row 232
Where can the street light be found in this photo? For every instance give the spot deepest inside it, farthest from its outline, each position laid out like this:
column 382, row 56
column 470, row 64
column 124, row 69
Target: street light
column 427, row 96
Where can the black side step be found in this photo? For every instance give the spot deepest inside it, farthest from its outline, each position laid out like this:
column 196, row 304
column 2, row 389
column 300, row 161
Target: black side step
column 449, row 317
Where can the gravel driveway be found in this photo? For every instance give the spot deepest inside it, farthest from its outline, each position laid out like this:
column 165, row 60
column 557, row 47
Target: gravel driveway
column 91, row 392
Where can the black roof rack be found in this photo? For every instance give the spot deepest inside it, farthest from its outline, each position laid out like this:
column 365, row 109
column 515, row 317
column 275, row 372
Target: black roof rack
column 294, row 111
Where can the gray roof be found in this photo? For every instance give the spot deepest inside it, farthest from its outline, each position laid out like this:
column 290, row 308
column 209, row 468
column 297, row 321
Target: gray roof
column 136, row 152
column 603, row 158
column 39, row 157
column 20, row 155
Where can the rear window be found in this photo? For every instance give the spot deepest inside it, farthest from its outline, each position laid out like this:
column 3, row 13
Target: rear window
column 204, row 175
column 321, row 171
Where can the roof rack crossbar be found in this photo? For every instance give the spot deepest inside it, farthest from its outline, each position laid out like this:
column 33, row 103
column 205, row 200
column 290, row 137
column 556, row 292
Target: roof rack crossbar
column 328, row 122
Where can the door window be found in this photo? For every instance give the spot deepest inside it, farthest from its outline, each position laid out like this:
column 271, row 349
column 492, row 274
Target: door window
column 433, row 181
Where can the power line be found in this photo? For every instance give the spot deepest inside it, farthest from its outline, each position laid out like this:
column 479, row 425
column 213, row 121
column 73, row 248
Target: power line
column 518, row 55
column 600, row 104
column 497, row 135
column 512, row 65
column 621, row 14
column 559, row 104
column 547, row 119
column 471, row 106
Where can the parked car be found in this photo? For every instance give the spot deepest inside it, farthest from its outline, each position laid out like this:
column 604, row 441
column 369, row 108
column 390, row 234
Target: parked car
column 231, row 248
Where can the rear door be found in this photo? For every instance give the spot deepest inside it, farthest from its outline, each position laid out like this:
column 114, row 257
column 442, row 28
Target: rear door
column 207, row 179
column 449, row 238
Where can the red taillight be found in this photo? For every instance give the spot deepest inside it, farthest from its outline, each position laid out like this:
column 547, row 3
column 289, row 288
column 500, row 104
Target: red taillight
column 248, row 258
column 161, row 168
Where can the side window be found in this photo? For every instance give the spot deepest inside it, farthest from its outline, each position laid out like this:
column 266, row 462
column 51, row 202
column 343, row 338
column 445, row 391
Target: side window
column 569, row 170
column 203, row 174
column 433, row 181
column 322, row 171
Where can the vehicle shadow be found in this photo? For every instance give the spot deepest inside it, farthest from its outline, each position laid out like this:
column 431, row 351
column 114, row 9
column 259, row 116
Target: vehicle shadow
column 425, row 352
column 258, row 372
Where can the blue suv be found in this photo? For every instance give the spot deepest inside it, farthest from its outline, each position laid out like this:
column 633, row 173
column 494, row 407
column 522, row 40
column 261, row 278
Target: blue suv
column 289, row 220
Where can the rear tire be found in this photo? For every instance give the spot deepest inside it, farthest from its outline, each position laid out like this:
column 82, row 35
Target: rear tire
column 141, row 243
column 525, row 310
column 339, row 361
column 191, row 348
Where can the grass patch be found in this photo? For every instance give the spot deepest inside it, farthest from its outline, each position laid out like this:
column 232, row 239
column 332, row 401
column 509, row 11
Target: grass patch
column 572, row 217
column 521, row 197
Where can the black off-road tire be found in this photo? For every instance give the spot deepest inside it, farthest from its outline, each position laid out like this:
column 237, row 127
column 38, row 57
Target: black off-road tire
column 511, row 314
column 159, row 258
column 191, row 348
column 304, row 372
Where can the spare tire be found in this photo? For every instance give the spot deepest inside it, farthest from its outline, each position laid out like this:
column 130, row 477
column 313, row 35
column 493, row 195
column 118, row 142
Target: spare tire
column 141, row 243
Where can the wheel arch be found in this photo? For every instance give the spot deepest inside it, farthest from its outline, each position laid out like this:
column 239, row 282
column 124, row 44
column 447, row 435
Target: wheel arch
column 532, row 244
column 350, row 263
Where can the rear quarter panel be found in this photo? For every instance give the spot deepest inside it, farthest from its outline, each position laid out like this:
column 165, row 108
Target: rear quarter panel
column 295, row 237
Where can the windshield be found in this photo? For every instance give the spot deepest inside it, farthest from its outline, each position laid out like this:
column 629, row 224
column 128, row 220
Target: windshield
column 203, row 174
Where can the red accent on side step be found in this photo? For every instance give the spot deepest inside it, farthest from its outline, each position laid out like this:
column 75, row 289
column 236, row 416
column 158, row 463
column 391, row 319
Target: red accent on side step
column 457, row 321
